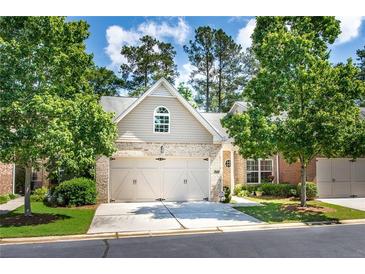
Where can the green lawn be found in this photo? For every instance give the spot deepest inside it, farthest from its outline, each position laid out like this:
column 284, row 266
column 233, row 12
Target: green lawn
column 285, row 210
column 46, row 221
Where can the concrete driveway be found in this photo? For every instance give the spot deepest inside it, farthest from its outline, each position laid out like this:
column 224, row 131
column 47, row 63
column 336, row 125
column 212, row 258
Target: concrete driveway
column 355, row 203
column 154, row 216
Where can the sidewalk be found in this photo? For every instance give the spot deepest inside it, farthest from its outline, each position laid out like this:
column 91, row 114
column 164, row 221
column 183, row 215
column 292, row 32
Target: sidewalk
column 11, row 205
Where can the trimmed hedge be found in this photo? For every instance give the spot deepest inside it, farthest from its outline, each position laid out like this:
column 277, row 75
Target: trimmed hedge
column 276, row 190
column 75, row 192
column 227, row 194
column 311, row 190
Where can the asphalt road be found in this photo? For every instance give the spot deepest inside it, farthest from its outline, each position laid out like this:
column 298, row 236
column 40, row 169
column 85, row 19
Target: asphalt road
column 316, row 242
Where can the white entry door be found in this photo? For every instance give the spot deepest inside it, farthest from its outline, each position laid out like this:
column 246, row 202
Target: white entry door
column 341, row 177
column 148, row 179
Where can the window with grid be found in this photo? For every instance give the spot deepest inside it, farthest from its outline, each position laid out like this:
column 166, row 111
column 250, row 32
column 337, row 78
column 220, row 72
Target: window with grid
column 259, row 171
column 161, row 120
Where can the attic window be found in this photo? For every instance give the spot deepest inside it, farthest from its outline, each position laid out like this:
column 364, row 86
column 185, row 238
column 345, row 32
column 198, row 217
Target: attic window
column 161, row 120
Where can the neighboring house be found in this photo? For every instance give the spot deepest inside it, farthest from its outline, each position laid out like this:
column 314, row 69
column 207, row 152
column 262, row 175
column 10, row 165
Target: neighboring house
column 168, row 150
column 12, row 179
column 6, row 178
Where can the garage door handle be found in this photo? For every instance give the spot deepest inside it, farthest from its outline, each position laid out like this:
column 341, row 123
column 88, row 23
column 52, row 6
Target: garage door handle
column 134, row 182
column 185, row 181
column 333, row 180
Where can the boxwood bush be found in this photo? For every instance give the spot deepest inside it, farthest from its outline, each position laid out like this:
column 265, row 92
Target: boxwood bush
column 39, row 194
column 75, row 192
column 311, row 190
column 267, row 189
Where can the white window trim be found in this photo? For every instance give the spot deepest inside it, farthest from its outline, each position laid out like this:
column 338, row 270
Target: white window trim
column 161, row 114
column 259, row 169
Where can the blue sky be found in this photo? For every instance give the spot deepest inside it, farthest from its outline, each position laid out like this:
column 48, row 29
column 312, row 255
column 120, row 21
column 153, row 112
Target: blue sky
column 109, row 34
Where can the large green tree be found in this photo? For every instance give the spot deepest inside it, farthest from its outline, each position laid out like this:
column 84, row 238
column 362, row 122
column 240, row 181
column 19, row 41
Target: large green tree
column 105, row 82
column 49, row 113
column 221, row 68
column 300, row 105
column 201, row 55
column 146, row 63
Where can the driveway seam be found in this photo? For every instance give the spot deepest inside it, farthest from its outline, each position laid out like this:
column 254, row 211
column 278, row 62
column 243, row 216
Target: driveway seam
column 173, row 215
column 106, row 248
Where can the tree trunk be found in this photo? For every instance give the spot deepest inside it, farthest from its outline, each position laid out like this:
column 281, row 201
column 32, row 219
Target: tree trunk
column 220, row 91
column 28, row 175
column 303, row 190
column 207, row 93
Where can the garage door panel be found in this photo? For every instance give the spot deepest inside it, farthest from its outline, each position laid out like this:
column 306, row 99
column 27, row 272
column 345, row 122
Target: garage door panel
column 324, row 189
column 175, row 189
column 345, row 178
column 148, row 185
column 121, row 184
column 173, row 179
column 324, row 170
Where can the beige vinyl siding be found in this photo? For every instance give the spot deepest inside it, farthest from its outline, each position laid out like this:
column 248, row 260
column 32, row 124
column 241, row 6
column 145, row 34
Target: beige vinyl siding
column 161, row 91
column 137, row 126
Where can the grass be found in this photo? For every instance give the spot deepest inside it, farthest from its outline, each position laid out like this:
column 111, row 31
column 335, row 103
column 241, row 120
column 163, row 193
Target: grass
column 46, row 221
column 276, row 210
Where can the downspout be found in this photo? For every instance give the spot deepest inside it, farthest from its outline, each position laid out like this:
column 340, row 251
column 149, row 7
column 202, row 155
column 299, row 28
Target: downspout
column 277, row 169
column 232, row 171
column 13, row 178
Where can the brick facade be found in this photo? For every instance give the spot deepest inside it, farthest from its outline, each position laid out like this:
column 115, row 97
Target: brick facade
column 226, row 170
column 125, row 149
column 6, row 178
column 290, row 173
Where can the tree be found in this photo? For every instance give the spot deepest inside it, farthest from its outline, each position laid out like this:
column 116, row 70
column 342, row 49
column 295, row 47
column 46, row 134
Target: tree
column 105, row 82
column 361, row 58
column 187, row 93
column 200, row 54
column 229, row 68
column 146, row 63
column 49, row 114
column 299, row 104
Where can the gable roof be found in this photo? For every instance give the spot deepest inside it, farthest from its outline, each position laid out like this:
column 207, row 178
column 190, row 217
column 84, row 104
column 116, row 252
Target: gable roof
column 216, row 134
column 215, row 120
column 239, row 104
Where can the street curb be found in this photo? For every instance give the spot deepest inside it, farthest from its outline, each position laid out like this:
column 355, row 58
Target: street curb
column 160, row 233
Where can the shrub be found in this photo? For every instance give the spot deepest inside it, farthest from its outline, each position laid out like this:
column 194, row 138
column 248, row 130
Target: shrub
column 227, row 194
column 4, row 199
column 311, row 190
column 39, row 194
column 76, row 192
column 243, row 193
column 278, row 190
column 238, row 188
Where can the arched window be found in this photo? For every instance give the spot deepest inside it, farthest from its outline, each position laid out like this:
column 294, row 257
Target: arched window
column 161, row 120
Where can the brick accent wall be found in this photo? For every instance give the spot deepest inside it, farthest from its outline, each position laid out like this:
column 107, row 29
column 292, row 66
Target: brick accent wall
column 226, row 170
column 129, row 149
column 6, row 178
column 290, row 173
column 240, row 175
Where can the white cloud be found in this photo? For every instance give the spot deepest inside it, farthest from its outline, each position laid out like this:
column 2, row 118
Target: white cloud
column 244, row 34
column 350, row 28
column 117, row 37
column 184, row 73
column 160, row 31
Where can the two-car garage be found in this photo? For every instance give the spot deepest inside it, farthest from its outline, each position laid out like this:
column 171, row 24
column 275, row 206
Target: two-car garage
column 340, row 177
column 149, row 179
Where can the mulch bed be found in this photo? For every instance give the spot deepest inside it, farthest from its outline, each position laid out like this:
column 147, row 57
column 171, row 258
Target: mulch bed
column 307, row 209
column 35, row 219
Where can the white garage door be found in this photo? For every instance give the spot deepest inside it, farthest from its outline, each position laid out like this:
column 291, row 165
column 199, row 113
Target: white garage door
column 148, row 179
column 341, row 177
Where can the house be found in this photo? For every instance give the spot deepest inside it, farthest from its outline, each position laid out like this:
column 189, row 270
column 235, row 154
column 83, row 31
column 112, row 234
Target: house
column 167, row 150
